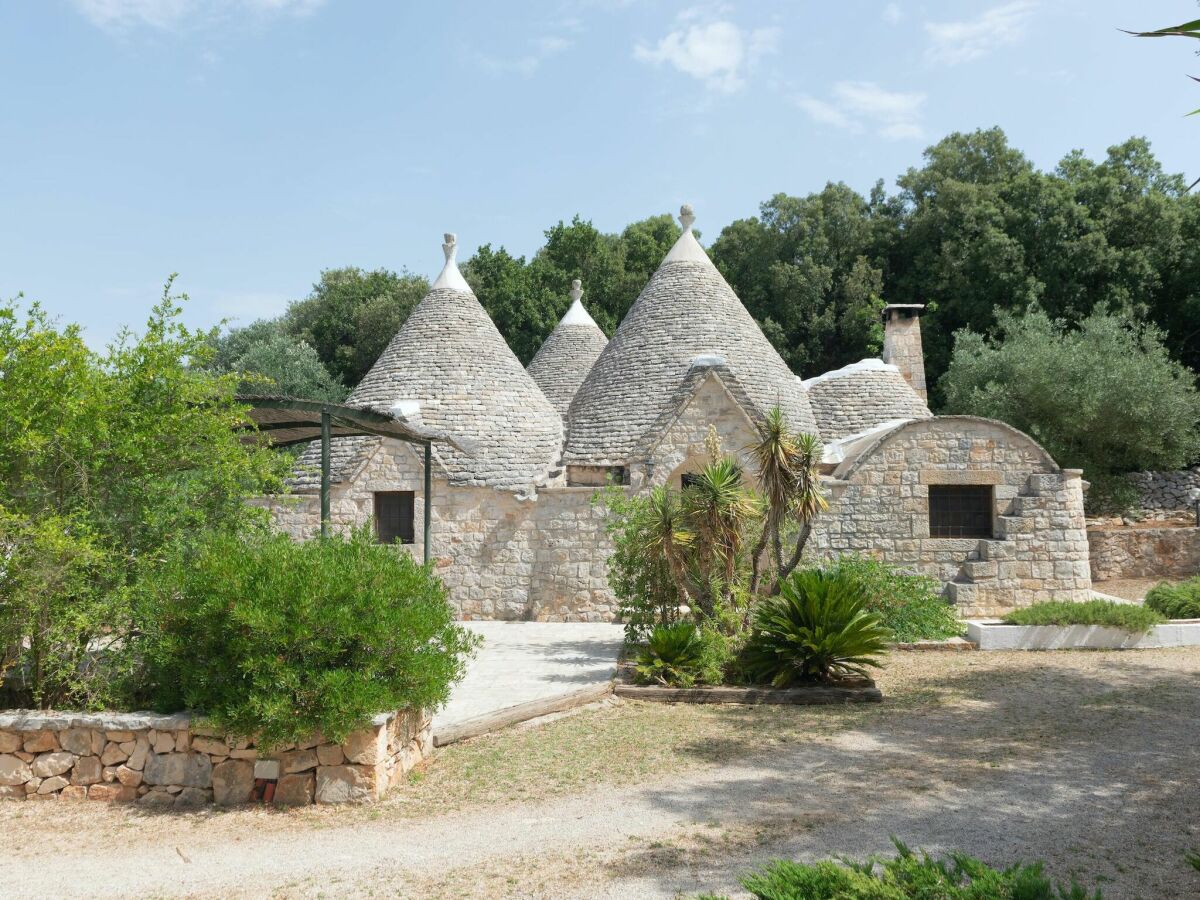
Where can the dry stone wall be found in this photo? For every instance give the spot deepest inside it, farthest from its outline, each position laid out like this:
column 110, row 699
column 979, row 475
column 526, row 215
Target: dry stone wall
column 1144, row 552
column 1167, row 492
column 171, row 761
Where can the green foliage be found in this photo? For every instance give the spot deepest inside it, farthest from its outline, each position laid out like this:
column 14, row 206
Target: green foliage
column 351, row 315
column 817, row 628
column 274, row 362
column 1106, row 613
column 1105, row 397
column 907, row 875
column 1176, row 601
column 279, row 639
column 681, row 655
column 909, row 606
column 107, row 460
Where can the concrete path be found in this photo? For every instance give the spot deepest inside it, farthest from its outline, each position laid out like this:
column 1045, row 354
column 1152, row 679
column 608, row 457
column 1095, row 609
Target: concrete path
column 523, row 661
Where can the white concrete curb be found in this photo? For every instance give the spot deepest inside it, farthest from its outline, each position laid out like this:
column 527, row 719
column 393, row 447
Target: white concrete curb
column 992, row 634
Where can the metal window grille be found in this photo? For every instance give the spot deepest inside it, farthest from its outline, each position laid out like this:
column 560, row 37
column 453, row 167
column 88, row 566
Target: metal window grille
column 394, row 514
column 687, row 479
column 960, row 511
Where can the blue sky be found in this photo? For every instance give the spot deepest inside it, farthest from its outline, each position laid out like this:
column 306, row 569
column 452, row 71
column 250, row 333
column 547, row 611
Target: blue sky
column 247, row 144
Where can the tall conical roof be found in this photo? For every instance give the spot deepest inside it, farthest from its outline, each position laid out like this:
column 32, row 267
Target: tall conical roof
column 687, row 310
column 860, row 396
column 568, row 354
column 449, row 368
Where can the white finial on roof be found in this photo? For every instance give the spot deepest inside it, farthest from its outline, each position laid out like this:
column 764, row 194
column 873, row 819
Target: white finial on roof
column 577, row 315
column 451, row 279
column 687, row 248
column 687, row 216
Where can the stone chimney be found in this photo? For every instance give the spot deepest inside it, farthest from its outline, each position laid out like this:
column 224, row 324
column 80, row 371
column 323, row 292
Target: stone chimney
column 902, row 343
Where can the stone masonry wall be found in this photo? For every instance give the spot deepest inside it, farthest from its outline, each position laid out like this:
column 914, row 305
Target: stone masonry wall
column 501, row 555
column 1039, row 551
column 1144, row 552
column 169, row 761
column 1167, row 491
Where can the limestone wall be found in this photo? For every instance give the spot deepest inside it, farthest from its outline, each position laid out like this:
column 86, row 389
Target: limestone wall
column 1144, row 552
column 1038, row 549
column 171, row 761
column 1166, row 492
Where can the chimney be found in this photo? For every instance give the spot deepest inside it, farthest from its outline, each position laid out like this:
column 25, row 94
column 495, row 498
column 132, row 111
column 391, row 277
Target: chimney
column 902, row 343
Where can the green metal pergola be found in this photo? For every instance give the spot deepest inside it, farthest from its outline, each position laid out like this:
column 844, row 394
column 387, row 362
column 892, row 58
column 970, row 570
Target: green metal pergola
column 284, row 421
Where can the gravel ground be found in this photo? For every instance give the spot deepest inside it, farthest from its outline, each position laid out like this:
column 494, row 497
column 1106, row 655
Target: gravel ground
column 1085, row 759
column 1127, row 588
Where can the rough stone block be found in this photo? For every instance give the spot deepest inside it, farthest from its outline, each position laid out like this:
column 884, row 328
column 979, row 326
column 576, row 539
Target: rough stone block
column 232, row 782
column 40, row 742
column 113, row 755
column 55, row 763
column 9, row 741
column 87, row 770
column 295, row 790
column 77, row 741
column 367, row 746
column 298, row 761
column 345, row 784
column 14, row 770
column 186, row 769
column 330, row 755
column 52, row 785
column 74, row 792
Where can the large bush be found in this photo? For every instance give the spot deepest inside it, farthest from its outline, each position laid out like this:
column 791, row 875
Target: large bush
column 107, row 461
column 1176, row 601
column 278, row 639
column 816, row 629
column 910, row 606
column 1105, row 397
column 1103, row 613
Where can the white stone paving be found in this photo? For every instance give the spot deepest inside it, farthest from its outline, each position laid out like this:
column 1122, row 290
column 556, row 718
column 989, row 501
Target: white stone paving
column 522, row 661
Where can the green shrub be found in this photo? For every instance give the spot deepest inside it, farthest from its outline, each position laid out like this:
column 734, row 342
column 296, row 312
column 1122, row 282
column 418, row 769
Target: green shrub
column 1126, row 616
column 817, row 627
column 681, row 655
column 908, row 605
column 907, row 875
column 278, row 639
column 1176, row 601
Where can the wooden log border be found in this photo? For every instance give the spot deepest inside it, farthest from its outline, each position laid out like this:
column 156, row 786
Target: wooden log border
column 520, row 712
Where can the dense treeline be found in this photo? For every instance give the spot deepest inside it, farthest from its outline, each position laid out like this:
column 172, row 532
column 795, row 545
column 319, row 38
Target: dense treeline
column 974, row 232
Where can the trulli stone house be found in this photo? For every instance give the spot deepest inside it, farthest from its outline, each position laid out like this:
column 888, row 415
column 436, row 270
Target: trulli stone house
column 515, row 535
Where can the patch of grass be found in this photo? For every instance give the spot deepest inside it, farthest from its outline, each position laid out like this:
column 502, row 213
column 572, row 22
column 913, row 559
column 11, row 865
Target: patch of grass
column 1176, row 601
column 1092, row 612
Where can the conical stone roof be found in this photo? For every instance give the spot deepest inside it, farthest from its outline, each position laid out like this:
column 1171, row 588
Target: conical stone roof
column 449, row 368
column 687, row 310
column 861, row 396
column 568, row 354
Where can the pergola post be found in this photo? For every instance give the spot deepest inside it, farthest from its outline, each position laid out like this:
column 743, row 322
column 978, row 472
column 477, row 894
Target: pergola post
column 325, row 423
column 428, row 492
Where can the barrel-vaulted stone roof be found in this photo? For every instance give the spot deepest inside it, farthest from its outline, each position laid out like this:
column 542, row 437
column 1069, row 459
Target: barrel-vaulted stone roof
column 449, row 368
column 686, row 310
column 566, row 357
column 860, row 396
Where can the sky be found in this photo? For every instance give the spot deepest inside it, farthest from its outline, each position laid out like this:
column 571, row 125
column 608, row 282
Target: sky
column 248, row 144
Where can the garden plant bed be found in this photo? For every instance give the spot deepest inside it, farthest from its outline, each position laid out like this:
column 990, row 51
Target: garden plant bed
column 992, row 634
column 848, row 690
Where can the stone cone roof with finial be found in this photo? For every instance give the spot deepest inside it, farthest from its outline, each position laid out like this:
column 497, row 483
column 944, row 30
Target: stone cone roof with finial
column 860, row 396
column 568, row 354
column 449, row 368
column 687, row 310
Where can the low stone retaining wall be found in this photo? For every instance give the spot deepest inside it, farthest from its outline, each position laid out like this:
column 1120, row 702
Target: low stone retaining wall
column 998, row 636
column 1144, row 552
column 1166, row 491
column 171, row 761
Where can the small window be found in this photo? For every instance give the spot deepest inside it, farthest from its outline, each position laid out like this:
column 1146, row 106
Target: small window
column 960, row 511
column 688, row 479
column 394, row 517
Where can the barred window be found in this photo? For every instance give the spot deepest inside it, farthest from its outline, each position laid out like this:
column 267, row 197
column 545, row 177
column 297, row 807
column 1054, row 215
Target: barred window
column 394, row 517
column 960, row 511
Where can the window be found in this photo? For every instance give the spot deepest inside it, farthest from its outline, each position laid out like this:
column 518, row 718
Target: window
column 688, row 479
column 960, row 511
column 394, row 517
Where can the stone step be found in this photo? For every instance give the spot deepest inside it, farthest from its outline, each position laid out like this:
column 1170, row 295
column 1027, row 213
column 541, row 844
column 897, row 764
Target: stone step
column 980, row 570
column 995, row 550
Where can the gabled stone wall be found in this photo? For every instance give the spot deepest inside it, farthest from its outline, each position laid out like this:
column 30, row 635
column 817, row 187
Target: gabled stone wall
column 171, row 761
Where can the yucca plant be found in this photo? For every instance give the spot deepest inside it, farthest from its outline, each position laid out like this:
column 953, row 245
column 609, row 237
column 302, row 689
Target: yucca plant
column 674, row 655
column 815, row 629
column 718, row 510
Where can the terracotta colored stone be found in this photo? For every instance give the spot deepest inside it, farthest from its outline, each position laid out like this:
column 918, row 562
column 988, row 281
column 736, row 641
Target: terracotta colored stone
column 128, row 777
column 40, row 742
column 118, row 737
column 74, row 792
column 87, row 770
column 112, row 793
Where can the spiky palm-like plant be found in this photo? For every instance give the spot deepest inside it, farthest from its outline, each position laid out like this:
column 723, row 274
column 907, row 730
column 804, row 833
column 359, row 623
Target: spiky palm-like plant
column 817, row 628
column 668, row 536
column 673, row 655
column 718, row 508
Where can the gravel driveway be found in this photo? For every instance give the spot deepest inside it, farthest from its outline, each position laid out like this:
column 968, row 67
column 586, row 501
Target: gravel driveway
column 1088, row 760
